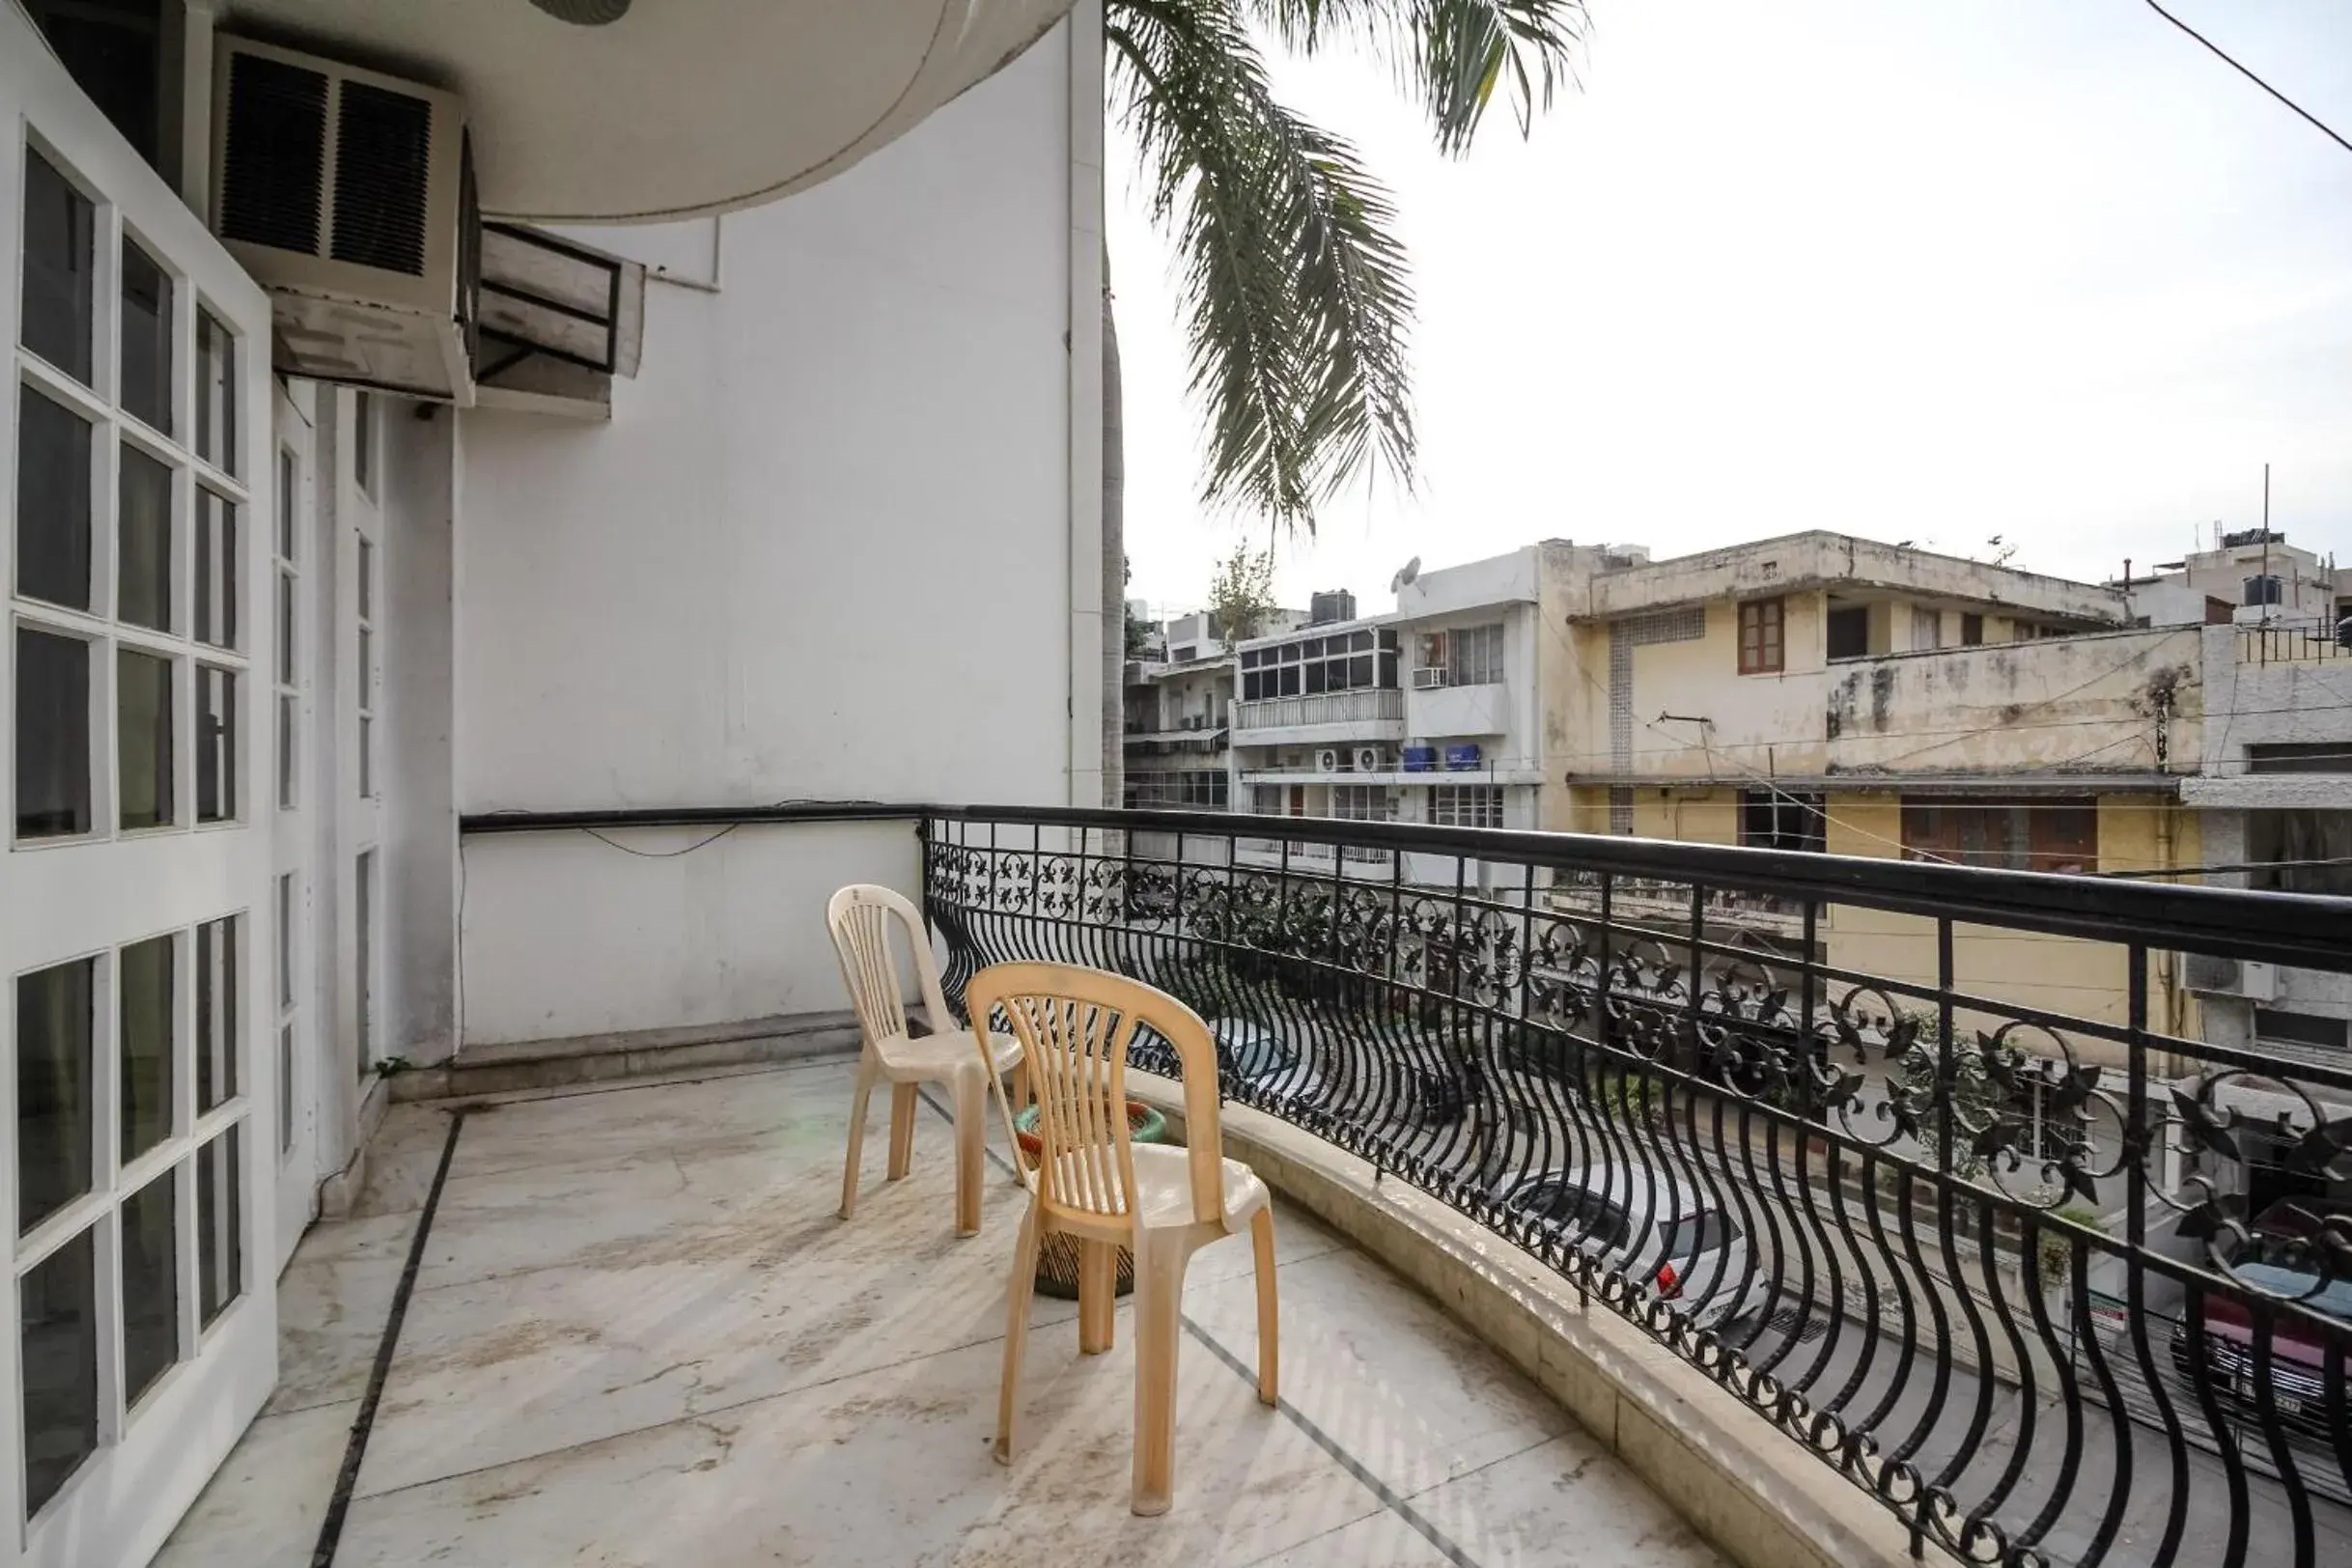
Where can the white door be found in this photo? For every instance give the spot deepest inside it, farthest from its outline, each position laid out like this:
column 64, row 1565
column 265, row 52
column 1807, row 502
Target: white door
column 358, row 673
column 295, row 1035
column 137, row 1333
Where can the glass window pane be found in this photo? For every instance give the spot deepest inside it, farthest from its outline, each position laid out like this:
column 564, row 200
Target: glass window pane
column 52, row 502
column 286, row 753
column 216, row 569
column 151, row 1284
column 367, row 758
column 55, row 1071
column 216, row 743
column 52, row 735
column 220, row 1255
column 146, row 391
column 147, row 1016
column 285, row 630
column 367, row 667
column 58, row 1301
column 363, row 904
column 60, row 263
column 143, row 574
column 286, row 504
column 286, row 940
column 215, row 1014
column 286, row 1090
column 367, row 579
column 143, row 739
column 215, row 393
column 363, row 444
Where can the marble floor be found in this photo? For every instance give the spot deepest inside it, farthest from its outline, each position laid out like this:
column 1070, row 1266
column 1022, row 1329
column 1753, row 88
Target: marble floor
column 639, row 1335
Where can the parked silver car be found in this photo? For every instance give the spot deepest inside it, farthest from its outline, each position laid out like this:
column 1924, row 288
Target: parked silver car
column 1652, row 1225
column 1250, row 1053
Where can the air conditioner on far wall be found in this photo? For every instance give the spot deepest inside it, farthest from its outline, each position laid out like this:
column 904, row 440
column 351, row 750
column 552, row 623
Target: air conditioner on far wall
column 349, row 195
column 1368, row 760
column 1326, row 759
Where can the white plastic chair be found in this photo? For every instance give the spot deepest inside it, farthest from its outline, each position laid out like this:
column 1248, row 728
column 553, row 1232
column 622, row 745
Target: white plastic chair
column 859, row 917
column 1092, row 1180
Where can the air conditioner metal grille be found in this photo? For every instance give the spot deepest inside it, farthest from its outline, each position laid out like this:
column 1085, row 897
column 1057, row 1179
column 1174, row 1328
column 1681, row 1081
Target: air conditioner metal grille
column 382, row 149
column 274, row 176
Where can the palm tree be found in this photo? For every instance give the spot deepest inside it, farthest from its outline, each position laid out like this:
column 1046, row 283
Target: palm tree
column 1296, row 291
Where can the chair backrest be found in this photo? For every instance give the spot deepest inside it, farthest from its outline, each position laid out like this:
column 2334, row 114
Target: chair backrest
column 1074, row 1025
column 859, row 917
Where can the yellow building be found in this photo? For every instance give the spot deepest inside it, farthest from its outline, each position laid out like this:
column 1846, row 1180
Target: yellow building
column 1829, row 694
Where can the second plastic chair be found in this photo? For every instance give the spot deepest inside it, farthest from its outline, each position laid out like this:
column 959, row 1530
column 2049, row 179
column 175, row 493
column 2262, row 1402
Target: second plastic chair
column 860, row 916
column 1092, row 1180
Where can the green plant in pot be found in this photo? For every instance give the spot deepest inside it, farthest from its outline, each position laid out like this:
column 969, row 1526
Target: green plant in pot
column 1057, row 1255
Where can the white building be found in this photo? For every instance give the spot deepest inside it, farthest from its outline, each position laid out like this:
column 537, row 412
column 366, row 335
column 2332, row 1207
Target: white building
column 273, row 635
column 1434, row 713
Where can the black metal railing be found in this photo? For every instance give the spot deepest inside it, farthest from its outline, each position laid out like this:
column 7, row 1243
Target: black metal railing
column 2295, row 642
column 1930, row 1165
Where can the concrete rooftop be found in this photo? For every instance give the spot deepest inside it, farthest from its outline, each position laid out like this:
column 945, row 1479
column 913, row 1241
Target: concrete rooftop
column 639, row 1335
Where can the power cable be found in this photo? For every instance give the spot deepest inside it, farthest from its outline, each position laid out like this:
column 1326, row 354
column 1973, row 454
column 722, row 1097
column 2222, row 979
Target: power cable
column 2218, row 54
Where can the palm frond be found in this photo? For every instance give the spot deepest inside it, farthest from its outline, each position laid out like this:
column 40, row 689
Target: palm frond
column 1450, row 55
column 1292, row 282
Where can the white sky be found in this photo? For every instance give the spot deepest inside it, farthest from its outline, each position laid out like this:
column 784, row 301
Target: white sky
column 2042, row 268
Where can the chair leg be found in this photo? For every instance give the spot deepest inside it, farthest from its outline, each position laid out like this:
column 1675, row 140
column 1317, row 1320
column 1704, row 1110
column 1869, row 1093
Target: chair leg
column 1017, row 1292
column 1017, row 1089
column 857, row 1139
column 1159, row 1308
column 902, row 1131
column 1270, row 1334
column 1097, row 1295
column 971, row 1134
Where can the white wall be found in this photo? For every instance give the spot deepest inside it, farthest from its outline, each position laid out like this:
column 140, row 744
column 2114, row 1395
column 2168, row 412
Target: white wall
column 419, row 855
column 825, row 549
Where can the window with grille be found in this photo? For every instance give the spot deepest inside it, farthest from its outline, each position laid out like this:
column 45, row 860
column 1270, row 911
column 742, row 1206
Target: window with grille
column 1776, row 820
column 1362, row 803
column 1464, row 656
column 1197, row 787
column 1466, row 806
column 1761, row 636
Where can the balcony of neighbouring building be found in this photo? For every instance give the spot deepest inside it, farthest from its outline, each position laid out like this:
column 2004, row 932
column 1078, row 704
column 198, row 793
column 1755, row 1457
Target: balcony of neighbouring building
column 1715, row 1244
column 1376, row 714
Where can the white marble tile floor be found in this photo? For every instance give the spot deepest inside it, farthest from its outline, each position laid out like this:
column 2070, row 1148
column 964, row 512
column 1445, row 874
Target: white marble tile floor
column 639, row 1335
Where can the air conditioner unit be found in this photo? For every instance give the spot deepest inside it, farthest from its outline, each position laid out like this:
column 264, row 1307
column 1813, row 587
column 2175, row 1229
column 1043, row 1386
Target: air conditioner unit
column 1369, row 760
column 2213, row 976
column 1326, row 759
column 349, row 195
column 1428, row 675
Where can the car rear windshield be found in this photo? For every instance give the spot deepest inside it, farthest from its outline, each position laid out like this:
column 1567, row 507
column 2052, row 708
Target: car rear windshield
column 1577, row 1209
column 1697, row 1233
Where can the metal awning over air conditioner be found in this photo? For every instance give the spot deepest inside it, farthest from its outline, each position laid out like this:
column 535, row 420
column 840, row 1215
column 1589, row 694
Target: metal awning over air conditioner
column 557, row 321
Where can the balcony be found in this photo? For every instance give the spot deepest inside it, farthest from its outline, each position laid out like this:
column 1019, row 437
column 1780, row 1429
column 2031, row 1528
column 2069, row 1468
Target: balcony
column 1892, row 1229
column 638, row 1334
column 1375, row 714
column 2302, row 641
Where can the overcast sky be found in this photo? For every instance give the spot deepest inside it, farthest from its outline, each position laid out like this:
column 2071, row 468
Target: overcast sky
column 2040, row 269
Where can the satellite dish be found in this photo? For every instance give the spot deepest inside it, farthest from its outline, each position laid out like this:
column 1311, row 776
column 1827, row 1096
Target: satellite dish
column 1404, row 574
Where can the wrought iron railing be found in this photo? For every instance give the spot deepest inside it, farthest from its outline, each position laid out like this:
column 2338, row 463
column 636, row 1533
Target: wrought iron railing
column 1946, row 1187
column 2295, row 642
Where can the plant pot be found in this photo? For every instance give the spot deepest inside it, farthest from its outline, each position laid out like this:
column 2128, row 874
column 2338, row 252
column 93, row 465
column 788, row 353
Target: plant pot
column 1057, row 1255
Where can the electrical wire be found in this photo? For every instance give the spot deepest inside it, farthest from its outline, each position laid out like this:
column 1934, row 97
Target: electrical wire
column 2225, row 59
column 2241, row 866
